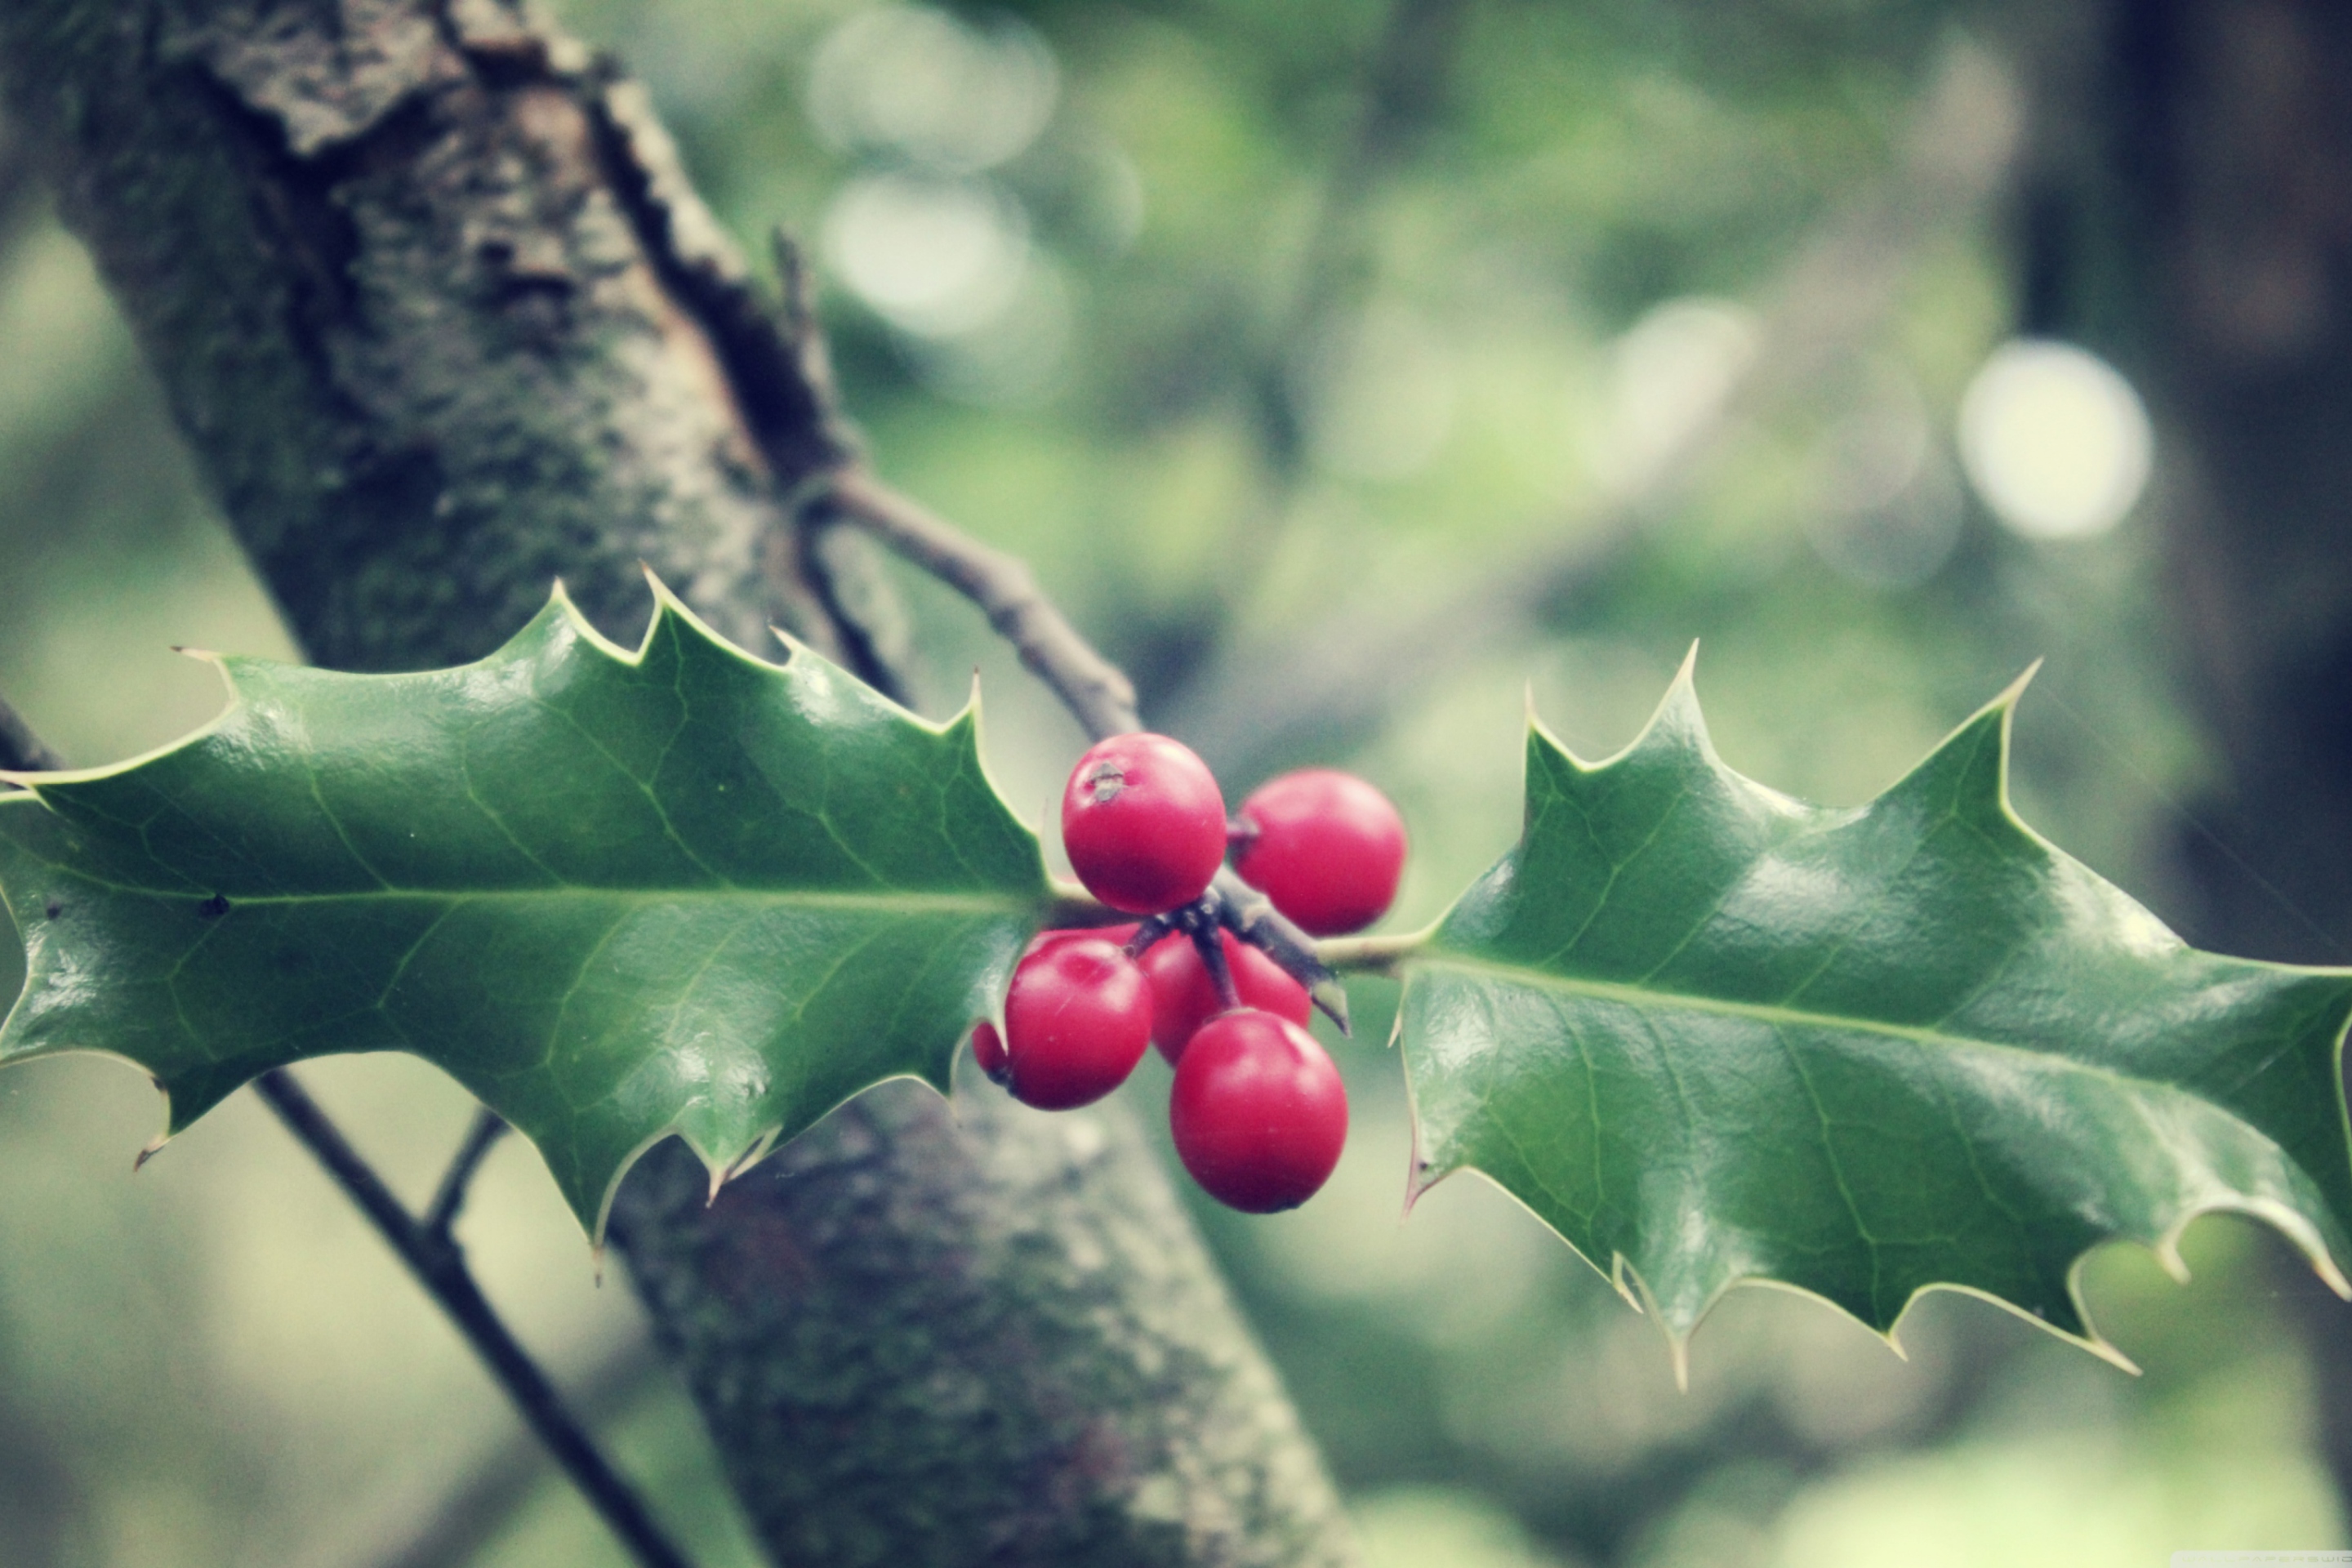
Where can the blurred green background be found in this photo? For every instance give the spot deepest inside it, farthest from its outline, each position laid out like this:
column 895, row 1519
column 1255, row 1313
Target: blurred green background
column 1357, row 374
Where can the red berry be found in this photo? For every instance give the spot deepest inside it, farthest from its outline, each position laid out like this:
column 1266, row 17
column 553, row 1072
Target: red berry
column 1325, row 845
column 1258, row 1111
column 988, row 1050
column 1076, row 1018
column 987, row 1045
column 1144, row 823
column 1184, row 998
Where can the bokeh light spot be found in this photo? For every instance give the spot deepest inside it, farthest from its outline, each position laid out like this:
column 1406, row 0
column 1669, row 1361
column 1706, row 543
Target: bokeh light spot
column 1669, row 377
column 2054, row 440
column 934, row 89
column 935, row 257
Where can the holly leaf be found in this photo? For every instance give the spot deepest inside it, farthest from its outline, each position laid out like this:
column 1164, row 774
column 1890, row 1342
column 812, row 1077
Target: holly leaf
column 1710, row 1034
column 615, row 895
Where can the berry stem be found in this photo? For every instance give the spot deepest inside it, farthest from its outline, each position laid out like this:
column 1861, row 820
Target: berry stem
column 1095, row 690
column 1207, row 940
column 1149, row 934
column 1370, row 954
column 1251, row 916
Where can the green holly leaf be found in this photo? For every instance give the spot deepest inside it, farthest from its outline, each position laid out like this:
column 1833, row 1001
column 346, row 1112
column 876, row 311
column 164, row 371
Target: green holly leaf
column 1710, row 1034
column 615, row 895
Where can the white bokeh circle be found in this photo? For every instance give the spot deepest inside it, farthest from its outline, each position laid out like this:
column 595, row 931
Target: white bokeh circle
column 2054, row 440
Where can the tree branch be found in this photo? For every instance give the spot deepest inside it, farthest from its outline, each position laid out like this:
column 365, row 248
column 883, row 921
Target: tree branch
column 432, row 1253
column 1094, row 689
column 21, row 751
column 443, row 320
column 439, row 1264
column 456, row 1527
column 481, row 1136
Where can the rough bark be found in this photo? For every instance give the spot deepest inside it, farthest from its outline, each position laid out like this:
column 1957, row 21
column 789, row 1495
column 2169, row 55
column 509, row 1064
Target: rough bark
column 1014, row 1306
column 444, row 322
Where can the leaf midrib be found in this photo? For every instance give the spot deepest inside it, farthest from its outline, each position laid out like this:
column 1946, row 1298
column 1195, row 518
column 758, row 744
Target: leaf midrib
column 877, row 900
column 1776, row 1016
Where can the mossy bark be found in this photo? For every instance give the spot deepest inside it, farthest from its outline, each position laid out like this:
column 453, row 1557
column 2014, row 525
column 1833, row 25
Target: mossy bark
column 444, row 322
column 1011, row 1306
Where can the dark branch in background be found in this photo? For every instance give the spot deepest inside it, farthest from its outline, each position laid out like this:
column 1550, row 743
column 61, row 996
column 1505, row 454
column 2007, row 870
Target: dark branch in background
column 1404, row 78
column 481, row 1137
column 439, row 1264
column 430, row 1251
column 495, row 1484
column 1341, row 673
column 17, row 176
column 21, row 751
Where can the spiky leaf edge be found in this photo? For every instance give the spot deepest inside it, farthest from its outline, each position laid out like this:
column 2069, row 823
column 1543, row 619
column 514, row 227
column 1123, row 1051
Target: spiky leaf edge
column 722, row 1167
column 1626, row 1280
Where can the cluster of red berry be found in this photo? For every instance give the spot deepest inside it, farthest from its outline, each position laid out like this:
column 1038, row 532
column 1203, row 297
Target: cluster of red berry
column 1257, row 1110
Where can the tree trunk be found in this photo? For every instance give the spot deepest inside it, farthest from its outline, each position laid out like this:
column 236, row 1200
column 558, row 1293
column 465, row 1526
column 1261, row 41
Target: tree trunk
column 2218, row 184
column 444, row 322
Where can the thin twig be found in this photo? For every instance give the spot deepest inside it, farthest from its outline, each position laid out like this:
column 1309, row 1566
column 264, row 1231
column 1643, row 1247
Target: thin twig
column 456, row 1527
column 1403, row 81
column 1097, row 690
column 450, row 1195
column 433, row 1255
column 440, row 1267
column 1094, row 689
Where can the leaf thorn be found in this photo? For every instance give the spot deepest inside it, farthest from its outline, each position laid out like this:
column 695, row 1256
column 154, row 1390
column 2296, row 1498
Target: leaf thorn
column 1678, row 1339
column 2016, row 688
column 1332, row 997
column 1418, row 1180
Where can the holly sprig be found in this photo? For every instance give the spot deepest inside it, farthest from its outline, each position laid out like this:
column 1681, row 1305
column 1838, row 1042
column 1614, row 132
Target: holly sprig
column 1708, row 1033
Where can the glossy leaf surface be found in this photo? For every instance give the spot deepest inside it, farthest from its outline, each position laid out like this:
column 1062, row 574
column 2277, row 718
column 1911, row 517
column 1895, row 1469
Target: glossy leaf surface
column 1709, row 1033
column 615, row 895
